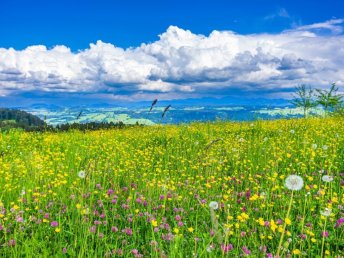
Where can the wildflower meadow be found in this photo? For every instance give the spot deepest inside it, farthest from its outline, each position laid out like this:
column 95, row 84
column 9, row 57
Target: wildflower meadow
column 219, row 189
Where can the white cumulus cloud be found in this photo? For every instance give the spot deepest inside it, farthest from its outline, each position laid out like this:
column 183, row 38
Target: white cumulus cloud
column 182, row 64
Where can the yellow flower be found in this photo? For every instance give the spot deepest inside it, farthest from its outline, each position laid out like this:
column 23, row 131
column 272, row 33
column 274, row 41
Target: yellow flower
column 154, row 223
column 57, row 230
column 287, row 221
column 176, row 230
column 273, row 225
column 191, row 229
column 313, row 240
column 254, row 197
column 296, row 251
column 261, row 221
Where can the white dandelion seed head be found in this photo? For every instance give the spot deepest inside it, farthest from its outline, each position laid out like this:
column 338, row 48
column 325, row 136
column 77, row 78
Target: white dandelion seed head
column 292, row 131
column 314, row 146
column 294, row 182
column 325, row 147
column 82, row 174
column 213, row 205
column 327, row 178
column 326, row 212
column 241, row 140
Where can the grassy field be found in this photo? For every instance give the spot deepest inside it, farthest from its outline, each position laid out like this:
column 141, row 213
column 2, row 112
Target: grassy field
column 199, row 190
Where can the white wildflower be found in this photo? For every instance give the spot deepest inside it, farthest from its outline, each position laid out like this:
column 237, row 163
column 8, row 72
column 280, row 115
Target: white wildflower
column 294, row 182
column 213, row 205
column 23, row 192
column 292, row 131
column 326, row 212
column 327, row 178
column 82, row 174
column 314, row 146
column 325, row 147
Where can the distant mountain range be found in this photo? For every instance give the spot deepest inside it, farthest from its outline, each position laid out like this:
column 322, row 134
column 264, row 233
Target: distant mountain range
column 181, row 111
column 175, row 115
column 225, row 101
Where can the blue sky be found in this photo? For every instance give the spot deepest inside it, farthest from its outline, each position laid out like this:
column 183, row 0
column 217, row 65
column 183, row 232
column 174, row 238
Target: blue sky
column 135, row 50
column 129, row 23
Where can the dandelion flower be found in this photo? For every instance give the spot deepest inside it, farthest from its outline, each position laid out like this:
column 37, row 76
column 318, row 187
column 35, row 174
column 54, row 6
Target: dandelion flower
column 292, row 131
column 326, row 212
column 314, row 146
column 82, row 174
column 327, row 178
column 294, row 182
column 325, row 147
column 213, row 205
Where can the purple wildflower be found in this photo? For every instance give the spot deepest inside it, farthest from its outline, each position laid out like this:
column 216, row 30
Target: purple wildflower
column 339, row 222
column 245, row 250
column 226, row 248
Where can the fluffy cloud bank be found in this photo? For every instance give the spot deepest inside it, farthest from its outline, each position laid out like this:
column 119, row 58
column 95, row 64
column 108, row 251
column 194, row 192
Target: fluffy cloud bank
column 183, row 64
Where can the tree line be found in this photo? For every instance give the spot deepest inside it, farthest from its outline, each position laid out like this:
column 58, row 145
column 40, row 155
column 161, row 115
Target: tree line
column 12, row 118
